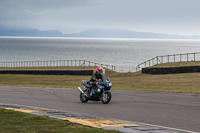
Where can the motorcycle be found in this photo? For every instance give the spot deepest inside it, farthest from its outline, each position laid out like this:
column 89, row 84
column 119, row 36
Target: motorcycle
column 100, row 92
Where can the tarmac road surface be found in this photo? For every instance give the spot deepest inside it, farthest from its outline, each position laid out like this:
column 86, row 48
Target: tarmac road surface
column 173, row 110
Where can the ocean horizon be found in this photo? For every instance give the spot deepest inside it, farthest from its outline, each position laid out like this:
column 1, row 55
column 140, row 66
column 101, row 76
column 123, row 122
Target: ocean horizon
column 120, row 52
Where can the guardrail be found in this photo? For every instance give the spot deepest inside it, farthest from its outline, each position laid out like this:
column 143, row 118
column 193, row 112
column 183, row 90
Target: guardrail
column 55, row 63
column 169, row 58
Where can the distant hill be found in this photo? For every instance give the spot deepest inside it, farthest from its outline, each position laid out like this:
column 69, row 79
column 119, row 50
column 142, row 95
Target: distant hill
column 92, row 33
column 30, row 32
column 121, row 33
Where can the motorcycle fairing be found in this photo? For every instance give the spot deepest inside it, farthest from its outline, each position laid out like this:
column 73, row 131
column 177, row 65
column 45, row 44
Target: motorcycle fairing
column 95, row 94
column 85, row 83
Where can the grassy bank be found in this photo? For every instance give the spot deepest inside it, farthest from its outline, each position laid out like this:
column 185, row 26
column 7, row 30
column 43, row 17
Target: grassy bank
column 179, row 64
column 181, row 83
column 178, row 83
column 14, row 122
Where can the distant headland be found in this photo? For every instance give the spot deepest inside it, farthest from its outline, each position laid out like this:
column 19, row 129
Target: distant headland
column 92, row 33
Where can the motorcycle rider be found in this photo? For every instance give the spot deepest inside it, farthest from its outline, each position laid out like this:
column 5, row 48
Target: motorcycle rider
column 96, row 77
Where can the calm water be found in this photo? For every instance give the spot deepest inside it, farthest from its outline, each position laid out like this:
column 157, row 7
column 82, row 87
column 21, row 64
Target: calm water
column 118, row 52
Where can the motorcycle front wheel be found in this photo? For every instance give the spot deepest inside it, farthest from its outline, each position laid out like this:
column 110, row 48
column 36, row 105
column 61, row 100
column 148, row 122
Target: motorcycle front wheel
column 105, row 97
column 83, row 98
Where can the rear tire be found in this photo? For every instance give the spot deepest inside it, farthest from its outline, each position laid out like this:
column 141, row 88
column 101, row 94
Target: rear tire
column 105, row 97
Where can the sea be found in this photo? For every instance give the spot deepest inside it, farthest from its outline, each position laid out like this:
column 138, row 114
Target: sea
column 125, row 54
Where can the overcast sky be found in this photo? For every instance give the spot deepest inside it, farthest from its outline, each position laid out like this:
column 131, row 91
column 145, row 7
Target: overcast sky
column 159, row 16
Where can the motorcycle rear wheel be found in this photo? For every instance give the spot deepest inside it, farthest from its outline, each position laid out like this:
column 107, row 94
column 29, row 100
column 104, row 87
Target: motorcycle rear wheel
column 105, row 97
column 83, row 98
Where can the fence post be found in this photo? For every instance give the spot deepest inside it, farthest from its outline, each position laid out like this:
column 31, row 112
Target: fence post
column 157, row 59
column 149, row 63
column 153, row 61
column 168, row 58
column 83, row 63
column 174, row 58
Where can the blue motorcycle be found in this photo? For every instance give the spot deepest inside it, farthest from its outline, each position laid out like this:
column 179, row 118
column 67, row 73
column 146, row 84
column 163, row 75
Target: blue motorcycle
column 100, row 92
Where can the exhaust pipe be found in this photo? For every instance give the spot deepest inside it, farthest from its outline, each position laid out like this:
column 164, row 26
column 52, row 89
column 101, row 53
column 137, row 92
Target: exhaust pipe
column 79, row 88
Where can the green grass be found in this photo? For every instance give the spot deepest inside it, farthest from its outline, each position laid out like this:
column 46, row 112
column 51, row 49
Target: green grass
column 18, row 122
column 175, row 83
column 179, row 83
column 178, row 64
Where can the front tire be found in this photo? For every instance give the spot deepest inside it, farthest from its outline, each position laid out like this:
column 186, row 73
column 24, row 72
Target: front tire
column 83, row 98
column 105, row 97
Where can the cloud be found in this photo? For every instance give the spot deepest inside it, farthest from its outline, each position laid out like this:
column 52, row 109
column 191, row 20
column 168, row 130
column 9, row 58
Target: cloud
column 45, row 4
column 33, row 12
column 140, row 15
column 23, row 8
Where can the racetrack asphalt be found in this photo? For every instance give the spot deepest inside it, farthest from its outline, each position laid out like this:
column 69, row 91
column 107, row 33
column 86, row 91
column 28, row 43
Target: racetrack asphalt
column 174, row 110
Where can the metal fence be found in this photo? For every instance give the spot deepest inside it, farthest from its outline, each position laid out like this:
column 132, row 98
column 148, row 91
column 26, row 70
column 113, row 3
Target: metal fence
column 122, row 69
column 125, row 69
column 55, row 63
column 169, row 58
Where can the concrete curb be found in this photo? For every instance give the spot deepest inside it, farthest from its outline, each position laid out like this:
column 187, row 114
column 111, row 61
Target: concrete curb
column 93, row 121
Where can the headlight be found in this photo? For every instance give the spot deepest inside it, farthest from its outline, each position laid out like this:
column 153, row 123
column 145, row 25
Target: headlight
column 110, row 84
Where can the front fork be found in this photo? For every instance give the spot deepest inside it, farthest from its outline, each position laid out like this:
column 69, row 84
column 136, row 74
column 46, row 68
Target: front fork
column 104, row 91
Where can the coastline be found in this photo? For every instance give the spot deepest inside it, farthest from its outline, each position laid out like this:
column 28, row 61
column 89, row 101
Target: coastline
column 96, row 38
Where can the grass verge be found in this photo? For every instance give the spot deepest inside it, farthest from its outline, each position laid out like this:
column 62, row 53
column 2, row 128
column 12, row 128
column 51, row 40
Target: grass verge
column 14, row 122
column 176, row 83
column 179, row 64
